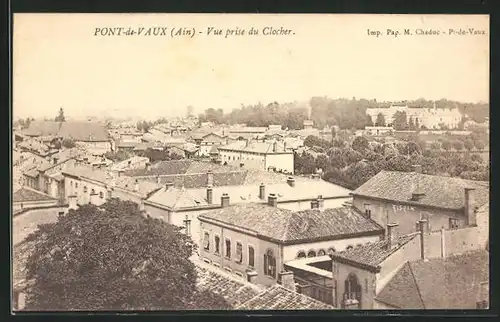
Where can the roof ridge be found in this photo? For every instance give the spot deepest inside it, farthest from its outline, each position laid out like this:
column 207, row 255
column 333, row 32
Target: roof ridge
column 416, row 284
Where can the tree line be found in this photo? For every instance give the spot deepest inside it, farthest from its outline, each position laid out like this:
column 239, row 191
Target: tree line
column 350, row 163
column 345, row 113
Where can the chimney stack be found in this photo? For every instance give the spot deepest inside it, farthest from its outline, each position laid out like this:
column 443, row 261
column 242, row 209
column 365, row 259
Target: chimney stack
column 55, row 160
column 272, row 200
column 262, row 191
column 286, row 280
column 470, row 208
column 210, row 193
column 210, row 178
column 224, row 200
column 321, row 202
column 169, row 185
column 422, row 227
column 314, row 204
column 291, row 181
column 391, row 235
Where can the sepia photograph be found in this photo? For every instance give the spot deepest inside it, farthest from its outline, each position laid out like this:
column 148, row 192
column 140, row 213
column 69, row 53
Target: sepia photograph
column 173, row 162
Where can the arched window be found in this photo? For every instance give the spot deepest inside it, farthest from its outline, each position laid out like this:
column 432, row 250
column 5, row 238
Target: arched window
column 352, row 288
column 301, row 254
column 269, row 263
column 84, row 189
column 321, row 252
column 331, row 250
column 311, row 253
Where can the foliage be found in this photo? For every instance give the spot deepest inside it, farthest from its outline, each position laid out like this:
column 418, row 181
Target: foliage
column 68, row 143
column 117, row 156
column 469, row 144
column 360, row 144
column 400, row 121
column 380, row 120
column 60, row 117
column 458, row 145
column 155, row 155
column 110, row 259
column 479, row 145
column 446, row 145
column 144, row 126
column 312, row 141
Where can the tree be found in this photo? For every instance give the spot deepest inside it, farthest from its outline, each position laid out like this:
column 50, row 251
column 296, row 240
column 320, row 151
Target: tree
column 110, row 258
column 479, row 145
column 458, row 145
column 380, row 120
column 446, row 145
column 469, row 144
column 60, row 117
column 117, row 156
column 360, row 144
column 436, row 145
column 368, row 120
column 400, row 121
column 417, row 124
column 68, row 143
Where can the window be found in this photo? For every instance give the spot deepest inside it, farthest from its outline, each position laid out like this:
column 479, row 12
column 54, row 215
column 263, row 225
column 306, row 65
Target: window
column 352, row 289
column 217, row 245
column 84, row 189
column 71, row 184
column 311, row 253
column 251, row 256
column 76, row 184
column 101, row 195
column 206, row 241
column 92, row 192
column 453, row 223
column 331, row 251
column 228, row 248
column 321, row 252
column 269, row 263
column 239, row 253
column 301, row 254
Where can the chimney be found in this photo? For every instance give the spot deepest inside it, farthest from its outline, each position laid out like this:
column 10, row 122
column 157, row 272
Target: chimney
column 286, row 280
column 272, row 200
column 136, row 185
column 187, row 225
column 210, row 178
column 252, row 277
column 391, row 235
column 422, row 226
column 72, row 201
column 210, row 193
column 262, row 191
column 321, row 202
column 291, row 181
column 55, row 160
column 314, row 204
column 470, row 209
column 224, row 200
column 168, row 185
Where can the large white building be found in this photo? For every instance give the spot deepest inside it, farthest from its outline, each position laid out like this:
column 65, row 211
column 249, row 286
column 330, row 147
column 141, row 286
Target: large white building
column 431, row 118
column 259, row 155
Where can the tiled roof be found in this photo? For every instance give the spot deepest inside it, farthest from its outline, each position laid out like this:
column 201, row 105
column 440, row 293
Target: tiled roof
column 254, row 147
column 178, row 167
column 79, row 131
column 247, row 129
column 442, row 192
column 372, row 254
column 279, row 298
column 27, row 194
column 243, row 187
column 288, row 226
column 451, row 283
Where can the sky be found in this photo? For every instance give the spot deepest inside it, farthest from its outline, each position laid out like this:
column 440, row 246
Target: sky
column 59, row 62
